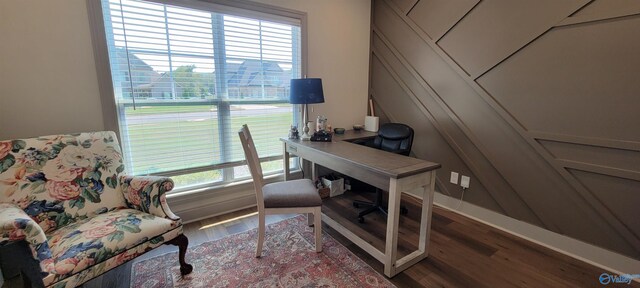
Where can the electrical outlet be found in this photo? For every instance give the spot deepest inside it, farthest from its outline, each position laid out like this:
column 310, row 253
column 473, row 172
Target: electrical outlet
column 464, row 181
column 454, row 178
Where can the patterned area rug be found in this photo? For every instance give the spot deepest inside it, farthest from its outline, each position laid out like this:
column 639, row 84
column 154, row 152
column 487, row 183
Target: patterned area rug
column 288, row 260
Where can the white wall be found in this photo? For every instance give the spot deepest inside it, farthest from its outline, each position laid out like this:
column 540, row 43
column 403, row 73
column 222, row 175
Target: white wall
column 338, row 41
column 48, row 82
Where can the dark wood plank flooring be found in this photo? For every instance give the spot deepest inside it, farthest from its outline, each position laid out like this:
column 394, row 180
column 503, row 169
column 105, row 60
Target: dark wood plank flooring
column 462, row 253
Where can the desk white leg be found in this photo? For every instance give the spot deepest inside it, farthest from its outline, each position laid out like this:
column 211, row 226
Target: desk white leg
column 427, row 210
column 285, row 162
column 312, row 165
column 310, row 216
column 393, row 218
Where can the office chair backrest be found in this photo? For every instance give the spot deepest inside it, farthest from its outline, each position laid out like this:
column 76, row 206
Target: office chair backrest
column 394, row 137
column 253, row 161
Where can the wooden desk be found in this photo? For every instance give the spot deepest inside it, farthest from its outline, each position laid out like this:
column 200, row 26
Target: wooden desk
column 392, row 172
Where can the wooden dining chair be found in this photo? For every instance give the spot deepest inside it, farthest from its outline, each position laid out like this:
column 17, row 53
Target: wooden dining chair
column 295, row 196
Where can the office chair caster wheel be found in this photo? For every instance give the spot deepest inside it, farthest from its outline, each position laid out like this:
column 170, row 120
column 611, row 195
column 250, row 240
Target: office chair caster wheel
column 361, row 219
column 356, row 205
column 404, row 210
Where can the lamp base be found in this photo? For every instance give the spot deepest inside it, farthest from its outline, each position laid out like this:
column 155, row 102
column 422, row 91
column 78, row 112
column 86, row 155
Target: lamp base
column 305, row 135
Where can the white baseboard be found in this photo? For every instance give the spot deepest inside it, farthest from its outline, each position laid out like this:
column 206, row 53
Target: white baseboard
column 594, row 255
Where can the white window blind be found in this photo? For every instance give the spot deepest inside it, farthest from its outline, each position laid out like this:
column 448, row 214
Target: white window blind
column 185, row 80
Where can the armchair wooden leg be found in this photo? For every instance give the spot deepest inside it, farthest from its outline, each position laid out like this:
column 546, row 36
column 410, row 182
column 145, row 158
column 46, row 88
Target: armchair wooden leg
column 182, row 242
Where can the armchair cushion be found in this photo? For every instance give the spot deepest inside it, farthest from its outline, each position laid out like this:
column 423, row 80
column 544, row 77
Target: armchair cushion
column 94, row 240
column 84, row 252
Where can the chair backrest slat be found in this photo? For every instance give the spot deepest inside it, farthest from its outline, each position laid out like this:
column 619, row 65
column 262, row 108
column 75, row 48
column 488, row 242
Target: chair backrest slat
column 253, row 161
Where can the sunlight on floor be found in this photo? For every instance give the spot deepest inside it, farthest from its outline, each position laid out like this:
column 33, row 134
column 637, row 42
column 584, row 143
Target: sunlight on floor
column 228, row 220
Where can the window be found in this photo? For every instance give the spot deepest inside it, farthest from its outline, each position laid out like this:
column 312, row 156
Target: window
column 186, row 79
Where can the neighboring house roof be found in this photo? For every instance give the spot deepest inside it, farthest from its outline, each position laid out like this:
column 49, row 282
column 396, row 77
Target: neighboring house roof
column 249, row 73
column 163, row 78
column 137, row 64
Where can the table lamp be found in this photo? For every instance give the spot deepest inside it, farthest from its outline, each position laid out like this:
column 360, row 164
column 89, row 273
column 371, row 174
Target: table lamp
column 306, row 91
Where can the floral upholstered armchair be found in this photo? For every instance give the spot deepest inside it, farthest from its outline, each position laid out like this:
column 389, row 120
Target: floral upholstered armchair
column 67, row 196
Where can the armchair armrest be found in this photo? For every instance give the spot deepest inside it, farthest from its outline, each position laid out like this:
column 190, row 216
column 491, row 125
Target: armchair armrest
column 16, row 225
column 147, row 194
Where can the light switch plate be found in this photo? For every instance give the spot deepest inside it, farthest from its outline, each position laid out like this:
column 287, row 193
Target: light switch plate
column 464, row 181
column 454, row 178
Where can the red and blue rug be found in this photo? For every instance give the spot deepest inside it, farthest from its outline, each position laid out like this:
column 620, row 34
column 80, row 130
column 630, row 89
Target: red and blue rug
column 288, row 260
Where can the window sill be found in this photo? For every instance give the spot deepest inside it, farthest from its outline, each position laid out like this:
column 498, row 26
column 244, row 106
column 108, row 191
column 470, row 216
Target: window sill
column 201, row 203
column 216, row 186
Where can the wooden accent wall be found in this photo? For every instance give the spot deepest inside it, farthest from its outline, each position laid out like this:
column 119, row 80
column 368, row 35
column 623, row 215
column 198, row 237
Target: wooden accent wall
column 537, row 100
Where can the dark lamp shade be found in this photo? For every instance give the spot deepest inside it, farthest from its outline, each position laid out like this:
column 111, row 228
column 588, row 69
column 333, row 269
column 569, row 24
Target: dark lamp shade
column 306, row 91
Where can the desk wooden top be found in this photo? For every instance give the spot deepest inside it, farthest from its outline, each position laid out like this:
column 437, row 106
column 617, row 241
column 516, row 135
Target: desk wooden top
column 350, row 135
column 378, row 161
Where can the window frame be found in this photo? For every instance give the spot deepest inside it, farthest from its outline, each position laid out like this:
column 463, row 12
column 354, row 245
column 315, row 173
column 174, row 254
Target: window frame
column 110, row 109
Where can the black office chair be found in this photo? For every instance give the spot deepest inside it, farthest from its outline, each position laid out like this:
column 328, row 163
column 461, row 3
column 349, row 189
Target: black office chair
column 392, row 137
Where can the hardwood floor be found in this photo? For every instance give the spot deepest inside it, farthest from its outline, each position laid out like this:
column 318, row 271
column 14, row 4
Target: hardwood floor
column 462, row 252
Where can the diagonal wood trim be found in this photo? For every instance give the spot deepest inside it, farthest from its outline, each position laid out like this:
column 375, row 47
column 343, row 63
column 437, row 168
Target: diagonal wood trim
column 455, row 24
column 515, row 211
column 600, row 142
column 635, row 11
column 622, row 163
column 530, row 37
column 443, row 14
column 595, row 204
column 582, row 195
column 634, row 236
column 489, row 68
column 405, row 5
column 412, row 6
column 581, row 8
column 463, row 74
column 442, row 188
column 599, row 169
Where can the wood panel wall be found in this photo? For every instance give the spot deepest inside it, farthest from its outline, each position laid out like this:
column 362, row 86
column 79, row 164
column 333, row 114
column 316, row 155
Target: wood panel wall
column 537, row 100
